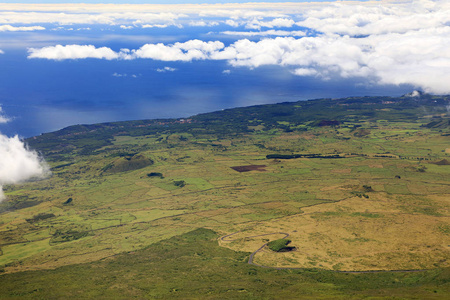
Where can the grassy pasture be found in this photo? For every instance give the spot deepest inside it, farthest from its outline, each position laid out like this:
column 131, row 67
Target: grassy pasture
column 167, row 269
column 334, row 222
column 106, row 202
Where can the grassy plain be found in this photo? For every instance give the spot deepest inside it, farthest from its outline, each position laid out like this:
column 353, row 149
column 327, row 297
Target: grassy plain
column 382, row 205
column 193, row 266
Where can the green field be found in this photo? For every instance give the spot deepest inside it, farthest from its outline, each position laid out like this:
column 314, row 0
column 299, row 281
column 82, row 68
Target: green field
column 369, row 193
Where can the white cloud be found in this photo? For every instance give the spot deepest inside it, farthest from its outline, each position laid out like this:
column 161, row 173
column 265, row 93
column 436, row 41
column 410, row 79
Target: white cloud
column 278, row 22
column 3, row 118
column 343, row 17
column 69, row 18
column 253, row 54
column 404, row 42
column 288, row 51
column 169, row 15
column 61, row 18
column 20, row 28
column 1, row 51
column 250, row 10
column 201, row 23
column 125, row 75
column 304, row 72
column 154, row 25
column 362, row 19
column 265, row 33
column 232, row 23
column 166, row 69
column 60, row 52
column 226, row 72
column 420, row 58
column 18, row 163
column 187, row 51
column 198, row 23
column 126, row 27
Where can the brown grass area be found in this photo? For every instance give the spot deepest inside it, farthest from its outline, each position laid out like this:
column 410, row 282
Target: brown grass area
column 376, row 166
column 242, row 240
column 156, row 191
column 356, row 234
column 342, row 171
column 308, row 136
column 143, row 184
column 62, row 261
column 442, row 199
column 331, row 188
column 290, row 137
column 214, row 213
column 442, row 162
column 271, row 205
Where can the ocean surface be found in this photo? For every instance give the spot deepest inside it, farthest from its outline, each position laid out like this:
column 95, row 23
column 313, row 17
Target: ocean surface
column 41, row 95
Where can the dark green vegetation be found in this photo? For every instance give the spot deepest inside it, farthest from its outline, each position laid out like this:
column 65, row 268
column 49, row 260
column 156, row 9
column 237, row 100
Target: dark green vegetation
column 63, row 235
column 280, row 245
column 155, row 174
column 292, row 156
column 192, row 266
column 349, row 113
column 125, row 164
column 179, row 183
column 40, row 217
column 135, row 209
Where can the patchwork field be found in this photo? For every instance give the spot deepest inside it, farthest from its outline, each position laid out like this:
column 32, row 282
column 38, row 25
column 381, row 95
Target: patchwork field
column 365, row 195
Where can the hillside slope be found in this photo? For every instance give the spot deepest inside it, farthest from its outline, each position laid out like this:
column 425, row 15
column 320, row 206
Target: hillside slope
column 357, row 184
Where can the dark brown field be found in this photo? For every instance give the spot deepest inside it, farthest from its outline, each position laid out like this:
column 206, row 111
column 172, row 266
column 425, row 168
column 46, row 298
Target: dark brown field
column 250, row 168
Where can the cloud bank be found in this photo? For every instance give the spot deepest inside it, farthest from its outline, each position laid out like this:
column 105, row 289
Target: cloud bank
column 385, row 42
column 60, row 52
column 17, row 162
column 20, row 28
column 187, row 51
column 265, row 33
column 125, row 14
column 3, row 118
column 420, row 58
column 166, row 69
column 69, row 18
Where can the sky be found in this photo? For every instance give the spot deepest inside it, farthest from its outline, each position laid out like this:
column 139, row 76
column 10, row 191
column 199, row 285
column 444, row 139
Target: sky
column 159, row 1
column 82, row 63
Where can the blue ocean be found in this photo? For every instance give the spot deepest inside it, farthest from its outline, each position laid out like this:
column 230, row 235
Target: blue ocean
column 40, row 95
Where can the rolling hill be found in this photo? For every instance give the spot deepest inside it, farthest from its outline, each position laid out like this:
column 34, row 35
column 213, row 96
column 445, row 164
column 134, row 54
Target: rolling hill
column 178, row 208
